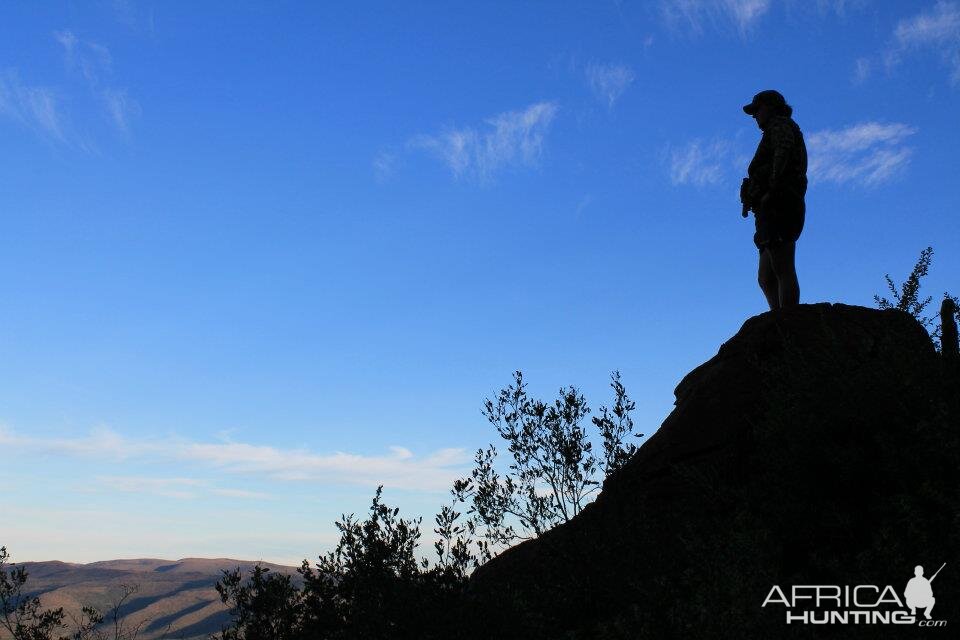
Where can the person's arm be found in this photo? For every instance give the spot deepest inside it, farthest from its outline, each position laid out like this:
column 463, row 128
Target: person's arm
column 783, row 140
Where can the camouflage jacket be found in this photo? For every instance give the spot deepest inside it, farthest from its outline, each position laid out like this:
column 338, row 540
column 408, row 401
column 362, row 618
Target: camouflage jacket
column 779, row 167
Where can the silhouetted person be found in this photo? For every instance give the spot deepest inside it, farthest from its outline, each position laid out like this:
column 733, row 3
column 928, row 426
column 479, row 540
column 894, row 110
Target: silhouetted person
column 948, row 330
column 775, row 190
column 919, row 593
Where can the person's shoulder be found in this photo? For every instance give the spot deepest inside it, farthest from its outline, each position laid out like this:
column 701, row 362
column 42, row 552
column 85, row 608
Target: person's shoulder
column 782, row 122
column 783, row 128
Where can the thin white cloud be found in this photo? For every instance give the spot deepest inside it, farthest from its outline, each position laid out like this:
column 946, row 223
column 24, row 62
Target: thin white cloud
column 100, row 442
column 746, row 12
column 120, row 107
column 31, row 106
column 69, row 43
column 41, row 108
column 91, row 59
column 94, row 63
column 384, row 166
column 241, row 493
column 510, row 139
column 694, row 16
column 699, row 163
column 867, row 153
column 938, row 25
column 179, row 488
column 609, row 81
column 936, row 29
column 399, row 468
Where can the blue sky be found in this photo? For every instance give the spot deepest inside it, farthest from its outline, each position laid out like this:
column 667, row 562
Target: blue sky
column 258, row 259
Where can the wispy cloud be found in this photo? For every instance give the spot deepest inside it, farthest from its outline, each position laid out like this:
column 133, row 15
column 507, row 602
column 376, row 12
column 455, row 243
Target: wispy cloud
column 100, row 442
column 179, row 488
column 398, row 468
column 938, row 25
column 241, row 493
column 699, row 163
column 510, row 139
column 91, row 59
column 120, row 107
column 31, row 106
column 694, row 16
column 42, row 108
column 608, row 81
column 867, row 153
column 936, row 29
column 94, row 63
column 384, row 165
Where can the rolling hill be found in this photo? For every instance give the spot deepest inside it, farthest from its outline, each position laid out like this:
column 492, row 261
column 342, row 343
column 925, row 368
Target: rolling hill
column 176, row 598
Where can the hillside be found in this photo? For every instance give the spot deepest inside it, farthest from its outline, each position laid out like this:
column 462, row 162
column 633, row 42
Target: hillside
column 176, row 594
column 818, row 447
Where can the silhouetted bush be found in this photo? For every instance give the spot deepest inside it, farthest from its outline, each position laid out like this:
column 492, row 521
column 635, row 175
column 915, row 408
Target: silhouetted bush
column 370, row 586
column 553, row 469
column 906, row 297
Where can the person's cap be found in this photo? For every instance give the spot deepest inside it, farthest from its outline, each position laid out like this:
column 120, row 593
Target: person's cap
column 770, row 97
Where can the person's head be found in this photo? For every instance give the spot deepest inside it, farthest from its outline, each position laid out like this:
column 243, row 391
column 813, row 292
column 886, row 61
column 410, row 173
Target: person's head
column 766, row 105
column 918, row 571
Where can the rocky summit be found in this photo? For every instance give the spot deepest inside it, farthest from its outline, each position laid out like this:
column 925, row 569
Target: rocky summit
column 818, row 447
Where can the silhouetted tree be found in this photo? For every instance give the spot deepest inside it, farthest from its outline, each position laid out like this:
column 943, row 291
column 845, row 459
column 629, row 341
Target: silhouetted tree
column 553, row 470
column 370, row 586
column 906, row 297
column 265, row 606
column 615, row 425
column 453, row 547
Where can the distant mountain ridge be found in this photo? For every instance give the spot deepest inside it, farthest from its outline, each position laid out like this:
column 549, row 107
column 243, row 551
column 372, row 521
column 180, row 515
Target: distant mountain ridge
column 173, row 596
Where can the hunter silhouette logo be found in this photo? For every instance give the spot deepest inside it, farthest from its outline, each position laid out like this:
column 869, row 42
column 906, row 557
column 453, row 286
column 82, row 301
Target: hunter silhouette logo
column 919, row 593
column 858, row 604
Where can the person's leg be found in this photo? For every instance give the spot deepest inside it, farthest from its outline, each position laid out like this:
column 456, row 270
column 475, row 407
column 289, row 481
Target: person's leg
column 768, row 280
column 785, row 271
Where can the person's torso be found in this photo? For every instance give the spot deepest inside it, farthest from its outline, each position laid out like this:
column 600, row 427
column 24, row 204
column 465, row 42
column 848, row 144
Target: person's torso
column 783, row 133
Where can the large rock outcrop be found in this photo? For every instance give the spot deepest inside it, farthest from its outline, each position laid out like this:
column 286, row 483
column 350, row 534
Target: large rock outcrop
column 819, row 446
